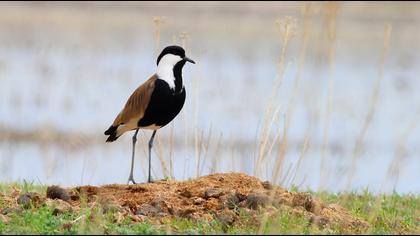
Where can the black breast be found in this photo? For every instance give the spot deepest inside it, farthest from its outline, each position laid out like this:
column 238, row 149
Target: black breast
column 164, row 105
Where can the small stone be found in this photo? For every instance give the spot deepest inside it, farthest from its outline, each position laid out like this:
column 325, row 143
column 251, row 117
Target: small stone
column 267, row 185
column 198, row 201
column 185, row 212
column 255, row 200
column 59, row 206
column 56, row 192
column 319, row 221
column 226, row 218
column 241, row 197
column 160, row 204
column 147, row 210
column 317, row 207
column 230, row 201
column 24, row 200
column 185, row 193
column 28, row 199
column 305, row 200
column 111, row 208
column 213, row 192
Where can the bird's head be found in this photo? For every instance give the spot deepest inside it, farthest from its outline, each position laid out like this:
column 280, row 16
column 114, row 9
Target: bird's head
column 172, row 55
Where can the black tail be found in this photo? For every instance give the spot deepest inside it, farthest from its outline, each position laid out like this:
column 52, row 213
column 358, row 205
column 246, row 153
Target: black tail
column 112, row 132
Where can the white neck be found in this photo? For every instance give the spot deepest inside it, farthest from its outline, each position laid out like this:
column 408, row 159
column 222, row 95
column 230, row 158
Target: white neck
column 165, row 70
column 166, row 73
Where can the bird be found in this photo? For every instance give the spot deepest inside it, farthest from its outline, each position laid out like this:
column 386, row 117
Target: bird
column 155, row 103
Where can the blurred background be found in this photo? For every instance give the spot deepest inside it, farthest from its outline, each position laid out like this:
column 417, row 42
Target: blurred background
column 321, row 96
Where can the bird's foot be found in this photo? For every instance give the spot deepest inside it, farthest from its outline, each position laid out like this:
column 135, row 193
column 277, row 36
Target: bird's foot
column 132, row 180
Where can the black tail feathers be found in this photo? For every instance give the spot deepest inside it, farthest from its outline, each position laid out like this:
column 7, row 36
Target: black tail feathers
column 112, row 132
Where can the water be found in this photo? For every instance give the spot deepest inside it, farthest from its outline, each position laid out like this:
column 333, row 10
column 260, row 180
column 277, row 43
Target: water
column 63, row 80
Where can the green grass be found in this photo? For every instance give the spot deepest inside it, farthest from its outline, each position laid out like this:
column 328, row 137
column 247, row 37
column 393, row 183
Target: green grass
column 388, row 214
column 391, row 214
column 43, row 221
column 23, row 187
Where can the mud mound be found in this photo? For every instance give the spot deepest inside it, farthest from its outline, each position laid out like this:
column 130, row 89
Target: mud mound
column 220, row 196
column 214, row 196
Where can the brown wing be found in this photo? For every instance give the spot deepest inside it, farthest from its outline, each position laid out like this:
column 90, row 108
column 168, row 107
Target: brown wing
column 136, row 103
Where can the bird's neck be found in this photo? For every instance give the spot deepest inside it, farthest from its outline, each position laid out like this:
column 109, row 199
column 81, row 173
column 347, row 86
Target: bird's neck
column 172, row 75
column 177, row 71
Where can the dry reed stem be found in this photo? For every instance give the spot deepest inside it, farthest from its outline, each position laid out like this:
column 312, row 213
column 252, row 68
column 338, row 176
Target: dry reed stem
column 285, row 26
column 283, row 145
column 163, row 164
column 302, row 55
column 400, row 150
column 283, row 142
column 213, row 165
column 331, row 9
column 306, row 11
column 158, row 21
column 304, row 150
column 373, row 102
column 206, row 149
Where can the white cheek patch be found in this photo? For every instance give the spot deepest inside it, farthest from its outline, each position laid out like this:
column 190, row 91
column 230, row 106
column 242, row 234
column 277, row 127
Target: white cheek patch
column 165, row 69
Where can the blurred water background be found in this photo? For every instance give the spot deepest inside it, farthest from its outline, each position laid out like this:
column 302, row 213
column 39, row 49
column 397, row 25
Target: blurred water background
column 66, row 70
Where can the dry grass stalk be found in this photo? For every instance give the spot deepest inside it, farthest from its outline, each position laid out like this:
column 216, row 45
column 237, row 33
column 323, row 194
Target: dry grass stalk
column 158, row 21
column 331, row 11
column 400, row 151
column 285, row 27
column 373, row 102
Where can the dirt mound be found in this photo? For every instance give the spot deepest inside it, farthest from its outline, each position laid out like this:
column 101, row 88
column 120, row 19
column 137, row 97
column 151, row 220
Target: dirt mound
column 216, row 195
column 220, row 196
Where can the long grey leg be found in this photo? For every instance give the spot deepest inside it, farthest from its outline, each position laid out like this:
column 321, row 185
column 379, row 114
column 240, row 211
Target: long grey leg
column 150, row 154
column 130, row 178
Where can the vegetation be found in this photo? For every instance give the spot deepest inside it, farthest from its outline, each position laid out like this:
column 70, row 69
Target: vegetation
column 387, row 214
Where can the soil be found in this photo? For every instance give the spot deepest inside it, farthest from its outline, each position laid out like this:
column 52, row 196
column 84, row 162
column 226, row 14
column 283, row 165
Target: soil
column 220, row 196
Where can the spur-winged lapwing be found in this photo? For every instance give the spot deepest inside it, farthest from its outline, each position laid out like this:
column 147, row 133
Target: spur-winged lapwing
column 155, row 103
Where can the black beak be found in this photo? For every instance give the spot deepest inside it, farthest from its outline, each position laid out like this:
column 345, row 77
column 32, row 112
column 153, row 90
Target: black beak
column 189, row 60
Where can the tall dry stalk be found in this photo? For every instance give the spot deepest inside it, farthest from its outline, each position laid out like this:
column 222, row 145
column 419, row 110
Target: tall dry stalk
column 331, row 11
column 217, row 148
column 158, row 21
column 303, row 151
column 206, row 147
column 400, row 150
column 302, row 55
column 285, row 26
column 283, row 141
column 161, row 156
column 306, row 12
column 283, row 145
column 373, row 102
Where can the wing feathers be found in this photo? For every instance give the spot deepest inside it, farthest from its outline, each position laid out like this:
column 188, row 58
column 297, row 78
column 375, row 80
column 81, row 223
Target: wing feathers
column 137, row 103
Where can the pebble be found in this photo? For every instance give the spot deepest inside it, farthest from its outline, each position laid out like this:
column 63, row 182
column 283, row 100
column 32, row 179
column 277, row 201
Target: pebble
column 56, row 192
